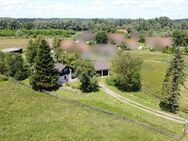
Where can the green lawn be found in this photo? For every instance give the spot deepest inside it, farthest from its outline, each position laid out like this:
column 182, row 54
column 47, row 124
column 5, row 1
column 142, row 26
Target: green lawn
column 29, row 115
column 13, row 42
column 153, row 72
column 103, row 101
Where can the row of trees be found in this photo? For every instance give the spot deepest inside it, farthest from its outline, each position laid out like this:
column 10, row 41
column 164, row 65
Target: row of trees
column 35, row 33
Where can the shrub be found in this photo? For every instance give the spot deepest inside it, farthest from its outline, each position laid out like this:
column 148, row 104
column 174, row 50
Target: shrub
column 101, row 37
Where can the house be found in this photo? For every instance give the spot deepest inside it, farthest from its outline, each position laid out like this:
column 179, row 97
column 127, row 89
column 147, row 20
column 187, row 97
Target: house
column 158, row 42
column 11, row 50
column 116, row 38
column 102, row 67
column 65, row 73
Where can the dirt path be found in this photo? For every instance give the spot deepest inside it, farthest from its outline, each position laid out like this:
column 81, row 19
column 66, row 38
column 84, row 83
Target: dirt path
column 142, row 107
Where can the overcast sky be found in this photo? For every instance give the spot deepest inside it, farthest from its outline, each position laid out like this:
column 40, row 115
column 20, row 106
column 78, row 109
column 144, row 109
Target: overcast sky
column 175, row 9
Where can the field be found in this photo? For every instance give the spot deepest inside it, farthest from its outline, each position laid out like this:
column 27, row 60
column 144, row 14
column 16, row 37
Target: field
column 29, row 115
column 13, row 42
column 153, row 72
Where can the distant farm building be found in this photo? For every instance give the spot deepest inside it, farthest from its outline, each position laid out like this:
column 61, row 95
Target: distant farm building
column 11, row 50
column 158, row 42
column 102, row 67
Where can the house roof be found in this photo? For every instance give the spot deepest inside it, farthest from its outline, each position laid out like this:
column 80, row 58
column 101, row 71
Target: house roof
column 60, row 66
column 11, row 49
column 101, row 65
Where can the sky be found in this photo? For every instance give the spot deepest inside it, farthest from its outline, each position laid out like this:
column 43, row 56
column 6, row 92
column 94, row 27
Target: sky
column 174, row 9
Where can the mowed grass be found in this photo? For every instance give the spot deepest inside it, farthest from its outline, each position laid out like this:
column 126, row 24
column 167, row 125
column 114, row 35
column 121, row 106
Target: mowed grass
column 29, row 115
column 13, row 42
column 103, row 101
column 153, row 73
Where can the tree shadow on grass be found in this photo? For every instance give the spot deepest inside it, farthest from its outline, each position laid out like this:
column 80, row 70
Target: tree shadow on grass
column 167, row 107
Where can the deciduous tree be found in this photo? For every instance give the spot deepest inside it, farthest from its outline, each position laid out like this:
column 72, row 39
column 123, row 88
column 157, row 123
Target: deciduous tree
column 126, row 72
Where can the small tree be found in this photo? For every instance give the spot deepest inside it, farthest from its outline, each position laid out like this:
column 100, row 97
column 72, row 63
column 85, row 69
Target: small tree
column 126, row 72
column 101, row 37
column 31, row 52
column 174, row 78
column 87, row 76
column 44, row 75
column 15, row 66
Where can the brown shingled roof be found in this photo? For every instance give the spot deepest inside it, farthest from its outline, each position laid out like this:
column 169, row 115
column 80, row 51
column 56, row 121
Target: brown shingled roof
column 60, row 67
column 101, row 65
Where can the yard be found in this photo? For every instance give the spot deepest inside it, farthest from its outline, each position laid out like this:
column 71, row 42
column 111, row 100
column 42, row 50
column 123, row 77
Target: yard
column 13, row 42
column 29, row 115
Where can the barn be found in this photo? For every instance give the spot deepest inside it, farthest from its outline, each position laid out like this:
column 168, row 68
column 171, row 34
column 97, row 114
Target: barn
column 102, row 67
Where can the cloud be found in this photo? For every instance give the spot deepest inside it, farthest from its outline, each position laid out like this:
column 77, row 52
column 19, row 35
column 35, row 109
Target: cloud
column 94, row 8
column 98, row 3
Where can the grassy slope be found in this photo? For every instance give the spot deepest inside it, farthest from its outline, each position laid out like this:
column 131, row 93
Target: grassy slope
column 153, row 73
column 29, row 115
column 8, row 43
column 103, row 101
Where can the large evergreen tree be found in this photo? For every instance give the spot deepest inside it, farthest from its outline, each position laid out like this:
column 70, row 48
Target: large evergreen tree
column 43, row 76
column 31, row 52
column 174, row 78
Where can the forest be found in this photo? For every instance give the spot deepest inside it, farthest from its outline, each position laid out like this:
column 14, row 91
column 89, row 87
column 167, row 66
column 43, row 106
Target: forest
column 156, row 24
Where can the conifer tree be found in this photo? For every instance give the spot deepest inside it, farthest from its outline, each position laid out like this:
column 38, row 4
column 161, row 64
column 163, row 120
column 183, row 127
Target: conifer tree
column 174, row 79
column 31, row 52
column 43, row 76
column 56, row 49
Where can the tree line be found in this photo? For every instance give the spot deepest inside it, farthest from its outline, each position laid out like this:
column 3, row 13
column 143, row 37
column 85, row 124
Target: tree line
column 34, row 33
column 156, row 24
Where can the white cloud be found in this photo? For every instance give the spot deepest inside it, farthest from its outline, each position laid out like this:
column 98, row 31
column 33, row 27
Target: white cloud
column 98, row 3
column 94, row 8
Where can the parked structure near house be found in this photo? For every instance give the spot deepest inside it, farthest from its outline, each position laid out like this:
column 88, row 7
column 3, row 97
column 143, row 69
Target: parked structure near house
column 158, row 42
column 65, row 73
column 102, row 67
column 11, row 50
